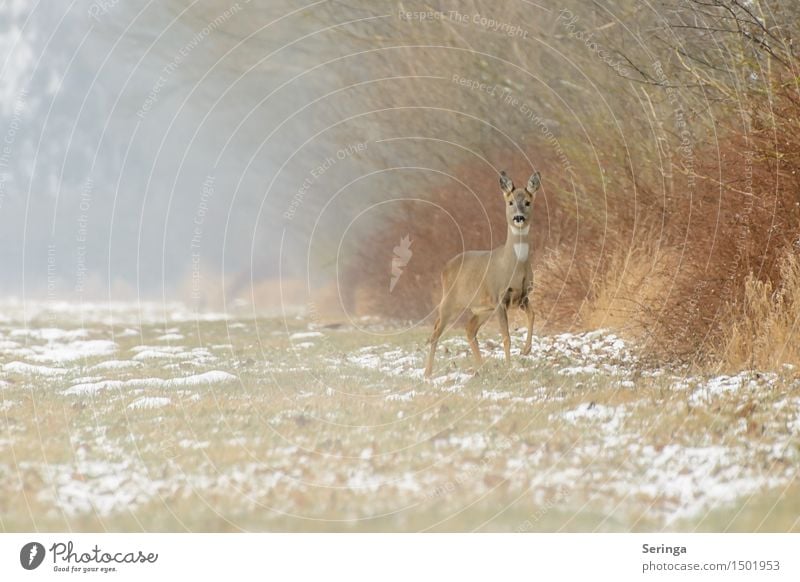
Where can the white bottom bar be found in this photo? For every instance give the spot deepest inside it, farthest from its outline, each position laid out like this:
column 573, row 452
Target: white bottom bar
column 404, row 557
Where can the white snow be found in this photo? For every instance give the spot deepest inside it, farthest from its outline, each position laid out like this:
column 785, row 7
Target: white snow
column 707, row 390
column 453, row 378
column 495, row 395
column 32, row 370
column 103, row 487
column 157, row 355
column 76, row 350
column 163, row 349
column 589, row 411
column 93, row 387
column 471, row 442
column 149, row 402
column 50, row 334
column 605, row 458
column 575, row 370
column 794, row 425
column 205, row 379
column 405, row 397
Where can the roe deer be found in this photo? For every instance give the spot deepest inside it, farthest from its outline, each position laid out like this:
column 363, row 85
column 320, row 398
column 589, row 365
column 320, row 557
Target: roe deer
column 483, row 282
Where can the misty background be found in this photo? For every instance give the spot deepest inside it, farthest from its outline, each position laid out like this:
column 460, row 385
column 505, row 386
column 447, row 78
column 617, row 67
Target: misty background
column 215, row 151
column 150, row 149
column 194, row 149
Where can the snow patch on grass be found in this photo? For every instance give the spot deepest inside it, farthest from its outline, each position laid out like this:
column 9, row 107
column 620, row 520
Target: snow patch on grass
column 205, row 379
column 69, row 352
column 32, row 370
column 575, row 370
column 99, row 486
column 50, row 334
column 87, row 388
column 149, row 402
column 397, row 363
column 116, row 365
column 688, row 480
column 495, row 395
column 404, row 397
column 706, row 390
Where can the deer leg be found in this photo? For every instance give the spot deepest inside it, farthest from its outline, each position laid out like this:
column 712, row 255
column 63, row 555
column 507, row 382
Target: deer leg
column 473, row 325
column 502, row 316
column 438, row 328
column 528, row 309
column 437, row 332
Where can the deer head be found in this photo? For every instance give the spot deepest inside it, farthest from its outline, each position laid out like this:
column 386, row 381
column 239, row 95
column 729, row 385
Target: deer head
column 519, row 201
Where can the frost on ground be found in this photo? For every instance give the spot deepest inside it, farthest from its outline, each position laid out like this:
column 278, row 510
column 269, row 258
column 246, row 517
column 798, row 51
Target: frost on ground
column 149, row 402
column 678, row 481
column 206, row 379
column 242, row 422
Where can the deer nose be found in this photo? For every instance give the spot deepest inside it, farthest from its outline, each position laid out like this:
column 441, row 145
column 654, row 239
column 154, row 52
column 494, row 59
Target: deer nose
column 518, row 219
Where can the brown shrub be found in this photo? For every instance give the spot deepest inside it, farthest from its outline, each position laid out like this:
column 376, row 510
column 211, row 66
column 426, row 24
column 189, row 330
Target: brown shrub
column 673, row 251
column 739, row 227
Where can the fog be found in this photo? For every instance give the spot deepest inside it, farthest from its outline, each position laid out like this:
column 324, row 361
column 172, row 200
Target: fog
column 143, row 145
column 194, row 150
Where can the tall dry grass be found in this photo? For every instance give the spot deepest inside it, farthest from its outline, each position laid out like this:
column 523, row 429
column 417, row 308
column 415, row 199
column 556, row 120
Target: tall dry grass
column 764, row 327
column 628, row 296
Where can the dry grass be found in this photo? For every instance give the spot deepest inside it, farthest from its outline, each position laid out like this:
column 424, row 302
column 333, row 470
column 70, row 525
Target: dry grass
column 764, row 332
column 337, row 432
column 629, row 294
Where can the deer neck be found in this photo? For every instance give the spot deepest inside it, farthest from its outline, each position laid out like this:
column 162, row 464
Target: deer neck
column 517, row 246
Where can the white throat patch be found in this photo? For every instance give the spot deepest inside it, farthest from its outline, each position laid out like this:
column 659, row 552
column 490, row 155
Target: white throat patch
column 521, row 250
column 520, row 231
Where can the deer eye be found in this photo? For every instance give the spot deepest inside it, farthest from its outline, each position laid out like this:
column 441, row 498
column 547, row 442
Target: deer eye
column 511, row 204
column 527, row 203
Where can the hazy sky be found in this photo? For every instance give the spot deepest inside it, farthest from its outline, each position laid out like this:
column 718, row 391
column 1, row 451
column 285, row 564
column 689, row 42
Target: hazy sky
column 151, row 147
column 139, row 144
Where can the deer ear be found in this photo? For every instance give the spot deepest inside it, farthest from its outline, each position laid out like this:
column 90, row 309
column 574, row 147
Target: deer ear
column 534, row 182
column 506, row 185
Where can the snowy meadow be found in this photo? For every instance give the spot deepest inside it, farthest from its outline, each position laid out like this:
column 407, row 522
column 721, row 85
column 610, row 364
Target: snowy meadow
column 149, row 417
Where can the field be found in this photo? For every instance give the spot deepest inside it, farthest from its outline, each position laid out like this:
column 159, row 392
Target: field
column 133, row 417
